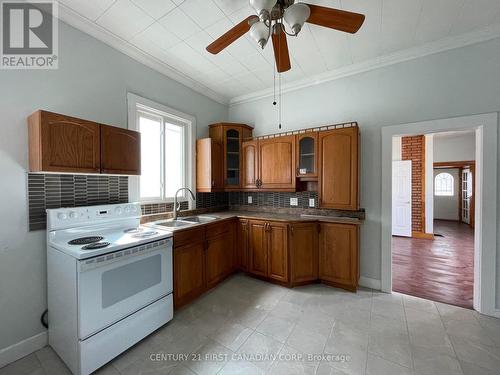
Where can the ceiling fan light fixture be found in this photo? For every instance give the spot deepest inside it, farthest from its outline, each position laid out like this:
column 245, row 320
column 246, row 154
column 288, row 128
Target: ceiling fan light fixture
column 260, row 33
column 263, row 5
column 296, row 15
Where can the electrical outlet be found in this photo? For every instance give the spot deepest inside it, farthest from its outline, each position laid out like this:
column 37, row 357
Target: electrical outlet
column 294, row 201
column 311, row 202
column 250, row 199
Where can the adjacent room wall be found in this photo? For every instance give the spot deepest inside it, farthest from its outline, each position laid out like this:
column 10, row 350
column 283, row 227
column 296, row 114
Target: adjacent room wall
column 453, row 83
column 454, row 147
column 92, row 83
column 446, row 207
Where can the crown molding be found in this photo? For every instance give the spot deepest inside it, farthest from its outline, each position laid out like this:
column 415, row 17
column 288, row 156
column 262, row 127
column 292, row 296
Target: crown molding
column 441, row 45
column 85, row 25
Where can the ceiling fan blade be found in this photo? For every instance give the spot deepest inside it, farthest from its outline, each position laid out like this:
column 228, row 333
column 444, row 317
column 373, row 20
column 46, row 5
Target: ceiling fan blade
column 280, row 47
column 335, row 19
column 232, row 35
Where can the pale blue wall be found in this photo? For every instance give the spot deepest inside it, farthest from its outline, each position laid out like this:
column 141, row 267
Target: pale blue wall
column 92, row 83
column 458, row 82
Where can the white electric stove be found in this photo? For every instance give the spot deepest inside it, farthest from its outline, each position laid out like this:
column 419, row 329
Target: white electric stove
column 109, row 282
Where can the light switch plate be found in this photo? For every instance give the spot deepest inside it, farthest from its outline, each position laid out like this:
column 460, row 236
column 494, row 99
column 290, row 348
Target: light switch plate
column 311, row 202
column 294, row 201
column 250, row 199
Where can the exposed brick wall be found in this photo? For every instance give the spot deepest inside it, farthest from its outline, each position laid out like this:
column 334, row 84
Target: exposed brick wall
column 413, row 148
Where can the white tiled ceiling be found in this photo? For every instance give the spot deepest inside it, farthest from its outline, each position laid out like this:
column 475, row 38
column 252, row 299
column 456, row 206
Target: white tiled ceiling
column 176, row 32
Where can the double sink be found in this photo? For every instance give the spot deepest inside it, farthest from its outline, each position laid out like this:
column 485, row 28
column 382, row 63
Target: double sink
column 186, row 221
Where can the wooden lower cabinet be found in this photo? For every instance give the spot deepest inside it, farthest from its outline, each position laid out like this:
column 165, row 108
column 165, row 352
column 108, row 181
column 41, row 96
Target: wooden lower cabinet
column 268, row 249
column 277, row 251
column 218, row 262
column 339, row 255
column 304, row 252
column 203, row 257
column 241, row 245
column 189, row 272
column 257, row 247
column 289, row 253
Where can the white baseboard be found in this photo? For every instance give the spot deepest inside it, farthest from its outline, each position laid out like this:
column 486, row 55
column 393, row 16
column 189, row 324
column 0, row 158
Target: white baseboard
column 23, row 348
column 497, row 313
column 370, row 283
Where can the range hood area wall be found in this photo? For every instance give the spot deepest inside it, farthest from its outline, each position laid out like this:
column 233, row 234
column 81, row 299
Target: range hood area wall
column 91, row 83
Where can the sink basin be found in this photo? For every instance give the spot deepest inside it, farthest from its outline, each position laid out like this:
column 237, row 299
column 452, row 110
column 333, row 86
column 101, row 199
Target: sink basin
column 199, row 219
column 175, row 223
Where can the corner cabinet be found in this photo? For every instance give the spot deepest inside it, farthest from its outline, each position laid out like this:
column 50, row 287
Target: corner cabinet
column 60, row 143
column 268, row 250
column 231, row 136
column 338, row 169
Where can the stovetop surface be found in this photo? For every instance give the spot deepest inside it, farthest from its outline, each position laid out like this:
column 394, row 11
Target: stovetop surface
column 118, row 236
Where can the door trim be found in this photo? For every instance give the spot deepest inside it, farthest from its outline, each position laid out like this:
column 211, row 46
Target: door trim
column 485, row 236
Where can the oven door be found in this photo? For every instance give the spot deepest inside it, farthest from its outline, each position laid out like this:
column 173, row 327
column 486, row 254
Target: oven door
column 113, row 286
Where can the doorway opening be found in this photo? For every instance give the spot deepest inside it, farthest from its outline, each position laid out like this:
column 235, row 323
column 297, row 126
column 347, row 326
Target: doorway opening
column 433, row 215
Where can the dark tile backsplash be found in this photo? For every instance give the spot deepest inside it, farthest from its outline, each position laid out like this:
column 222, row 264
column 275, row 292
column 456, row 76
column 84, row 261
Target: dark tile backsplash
column 65, row 190
column 157, row 208
column 273, row 199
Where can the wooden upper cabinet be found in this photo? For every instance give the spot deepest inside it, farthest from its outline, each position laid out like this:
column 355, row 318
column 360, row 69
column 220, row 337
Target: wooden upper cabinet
column 277, row 249
column 304, row 252
column 277, row 163
column 257, row 247
column 120, row 151
column 339, row 255
column 338, row 169
column 250, row 170
column 209, row 165
column 231, row 136
column 59, row 143
column 307, row 155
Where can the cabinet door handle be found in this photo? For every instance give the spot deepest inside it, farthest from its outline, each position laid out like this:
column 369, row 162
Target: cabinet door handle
column 213, row 183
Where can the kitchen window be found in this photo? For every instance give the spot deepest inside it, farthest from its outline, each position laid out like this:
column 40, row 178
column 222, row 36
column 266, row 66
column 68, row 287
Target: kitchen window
column 167, row 146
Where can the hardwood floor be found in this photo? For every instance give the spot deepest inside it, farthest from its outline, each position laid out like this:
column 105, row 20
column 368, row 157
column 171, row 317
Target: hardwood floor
column 441, row 269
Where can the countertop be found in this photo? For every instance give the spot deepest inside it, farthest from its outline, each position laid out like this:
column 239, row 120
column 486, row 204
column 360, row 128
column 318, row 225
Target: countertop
column 229, row 214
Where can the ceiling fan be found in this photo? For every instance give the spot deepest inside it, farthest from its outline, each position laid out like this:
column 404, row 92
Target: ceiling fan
column 269, row 23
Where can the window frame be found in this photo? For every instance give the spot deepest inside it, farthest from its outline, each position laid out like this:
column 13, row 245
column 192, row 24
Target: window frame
column 441, row 193
column 137, row 104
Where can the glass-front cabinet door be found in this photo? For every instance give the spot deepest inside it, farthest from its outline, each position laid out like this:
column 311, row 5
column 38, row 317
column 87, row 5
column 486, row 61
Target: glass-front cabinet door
column 307, row 145
column 232, row 140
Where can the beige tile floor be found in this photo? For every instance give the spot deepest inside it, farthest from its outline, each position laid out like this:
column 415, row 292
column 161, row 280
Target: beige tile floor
column 246, row 326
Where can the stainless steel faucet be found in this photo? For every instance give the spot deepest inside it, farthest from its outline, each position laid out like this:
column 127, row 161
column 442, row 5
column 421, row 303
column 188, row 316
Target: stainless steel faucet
column 177, row 206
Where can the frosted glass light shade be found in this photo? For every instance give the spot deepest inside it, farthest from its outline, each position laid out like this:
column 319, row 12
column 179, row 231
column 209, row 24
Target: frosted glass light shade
column 296, row 15
column 260, row 5
column 260, row 33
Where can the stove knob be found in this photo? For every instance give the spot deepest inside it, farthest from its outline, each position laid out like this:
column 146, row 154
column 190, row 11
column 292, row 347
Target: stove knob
column 127, row 209
column 118, row 210
column 73, row 215
column 62, row 216
column 133, row 208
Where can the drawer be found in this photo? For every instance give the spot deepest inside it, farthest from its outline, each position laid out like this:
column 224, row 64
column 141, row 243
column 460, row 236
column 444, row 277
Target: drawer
column 189, row 236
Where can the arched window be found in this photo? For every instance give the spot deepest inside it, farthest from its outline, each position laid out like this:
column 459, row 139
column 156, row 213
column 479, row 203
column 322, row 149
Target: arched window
column 443, row 185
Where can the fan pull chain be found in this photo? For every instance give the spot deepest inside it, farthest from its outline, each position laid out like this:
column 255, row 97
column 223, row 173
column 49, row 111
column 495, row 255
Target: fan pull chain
column 279, row 74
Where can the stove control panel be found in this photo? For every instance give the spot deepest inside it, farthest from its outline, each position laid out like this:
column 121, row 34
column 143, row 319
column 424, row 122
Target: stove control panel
column 76, row 216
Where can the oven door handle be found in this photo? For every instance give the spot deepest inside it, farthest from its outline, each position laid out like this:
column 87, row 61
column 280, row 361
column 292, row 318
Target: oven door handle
column 125, row 254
